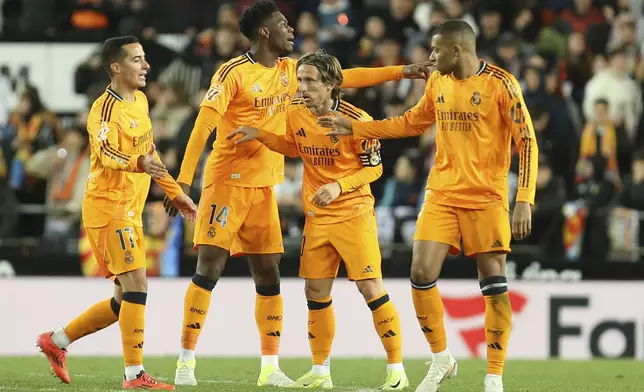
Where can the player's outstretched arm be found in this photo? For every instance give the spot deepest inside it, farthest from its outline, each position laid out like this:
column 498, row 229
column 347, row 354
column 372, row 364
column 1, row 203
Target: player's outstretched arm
column 367, row 77
column 282, row 144
column 414, row 122
column 207, row 120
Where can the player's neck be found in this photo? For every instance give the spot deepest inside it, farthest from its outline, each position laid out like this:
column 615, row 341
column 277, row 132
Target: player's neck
column 470, row 66
column 126, row 93
column 263, row 55
column 323, row 108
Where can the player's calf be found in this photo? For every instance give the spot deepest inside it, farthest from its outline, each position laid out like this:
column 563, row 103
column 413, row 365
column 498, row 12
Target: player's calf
column 387, row 324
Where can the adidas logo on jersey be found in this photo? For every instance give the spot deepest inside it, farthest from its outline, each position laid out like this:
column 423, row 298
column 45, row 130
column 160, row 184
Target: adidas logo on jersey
column 256, row 88
column 440, row 99
column 301, row 132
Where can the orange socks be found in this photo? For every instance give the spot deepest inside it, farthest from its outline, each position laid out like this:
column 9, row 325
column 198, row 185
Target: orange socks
column 269, row 311
column 498, row 321
column 387, row 324
column 429, row 312
column 321, row 329
column 99, row 316
column 195, row 309
column 132, row 323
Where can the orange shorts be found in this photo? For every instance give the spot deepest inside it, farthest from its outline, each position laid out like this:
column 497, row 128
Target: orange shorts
column 354, row 241
column 481, row 231
column 118, row 247
column 241, row 220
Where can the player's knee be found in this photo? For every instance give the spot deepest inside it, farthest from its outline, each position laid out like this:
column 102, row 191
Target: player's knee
column 370, row 288
column 422, row 272
column 491, row 264
column 211, row 263
column 265, row 269
column 134, row 281
column 316, row 291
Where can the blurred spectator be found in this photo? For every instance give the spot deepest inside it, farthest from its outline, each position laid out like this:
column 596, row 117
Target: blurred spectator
column 65, row 168
column 337, row 28
column 577, row 66
column 599, row 140
column 490, row 31
column 632, row 194
column 170, row 111
column 582, row 15
column 622, row 93
column 401, row 189
column 546, row 212
column 289, row 197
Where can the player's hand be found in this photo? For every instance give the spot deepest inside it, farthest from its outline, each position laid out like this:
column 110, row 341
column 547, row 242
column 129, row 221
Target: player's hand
column 248, row 133
column 148, row 163
column 186, row 207
column 170, row 209
column 326, row 194
column 521, row 220
column 418, row 70
column 339, row 123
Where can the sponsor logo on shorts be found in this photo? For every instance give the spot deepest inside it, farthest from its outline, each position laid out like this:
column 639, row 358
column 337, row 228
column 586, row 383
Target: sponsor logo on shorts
column 129, row 258
column 211, row 232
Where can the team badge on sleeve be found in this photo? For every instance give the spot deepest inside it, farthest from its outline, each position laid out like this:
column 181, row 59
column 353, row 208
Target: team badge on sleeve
column 214, row 90
column 102, row 133
column 374, row 158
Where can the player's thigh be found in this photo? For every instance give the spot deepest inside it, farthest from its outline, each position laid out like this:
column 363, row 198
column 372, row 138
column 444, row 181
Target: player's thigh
column 485, row 231
column 318, row 258
column 118, row 247
column 261, row 231
column 356, row 240
column 222, row 209
column 438, row 223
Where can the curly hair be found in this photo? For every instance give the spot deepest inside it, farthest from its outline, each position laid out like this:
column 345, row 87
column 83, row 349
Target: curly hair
column 329, row 68
column 254, row 16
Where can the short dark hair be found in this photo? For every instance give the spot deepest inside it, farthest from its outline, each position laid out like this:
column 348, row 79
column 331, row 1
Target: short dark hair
column 329, row 68
column 254, row 16
column 457, row 30
column 112, row 50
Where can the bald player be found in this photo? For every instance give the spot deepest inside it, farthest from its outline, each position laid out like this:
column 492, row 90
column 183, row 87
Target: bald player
column 478, row 110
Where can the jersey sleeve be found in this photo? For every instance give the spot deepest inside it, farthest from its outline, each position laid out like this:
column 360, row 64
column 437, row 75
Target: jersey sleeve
column 283, row 144
column 223, row 88
column 369, row 153
column 367, row 77
column 104, row 134
column 414, row 122
column 205, row 124
column 517, row 118
column 168, row 184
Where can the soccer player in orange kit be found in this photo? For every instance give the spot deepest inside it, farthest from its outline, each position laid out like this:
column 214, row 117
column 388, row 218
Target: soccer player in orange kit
column 122, row 162
column 478, row 110
column 238, row 210
column 340, row 219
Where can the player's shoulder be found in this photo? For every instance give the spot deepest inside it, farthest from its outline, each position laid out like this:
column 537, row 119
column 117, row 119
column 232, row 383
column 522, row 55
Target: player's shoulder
column 497, row 75
column 233, row 67
column 352, row 111
column 106, row 106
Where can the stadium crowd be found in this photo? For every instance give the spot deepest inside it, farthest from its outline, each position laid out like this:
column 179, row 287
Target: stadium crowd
column 579, row 63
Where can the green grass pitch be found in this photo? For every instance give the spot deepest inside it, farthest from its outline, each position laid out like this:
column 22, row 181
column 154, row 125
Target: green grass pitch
column 240, row 374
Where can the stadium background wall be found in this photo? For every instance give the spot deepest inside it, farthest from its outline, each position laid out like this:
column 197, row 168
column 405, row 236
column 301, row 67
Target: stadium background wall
column 561, row 320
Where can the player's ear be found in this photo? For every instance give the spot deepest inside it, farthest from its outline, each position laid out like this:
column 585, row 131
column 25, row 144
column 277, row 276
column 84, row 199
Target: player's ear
column 116, row 68
column 263, row 32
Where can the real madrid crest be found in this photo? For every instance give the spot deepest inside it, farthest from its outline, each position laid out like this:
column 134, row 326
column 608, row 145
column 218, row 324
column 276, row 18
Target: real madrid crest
column 284, row 79
column 128, row 257
column 211, row 232
column 334, row 138
column 374, row 158
column 476, row 98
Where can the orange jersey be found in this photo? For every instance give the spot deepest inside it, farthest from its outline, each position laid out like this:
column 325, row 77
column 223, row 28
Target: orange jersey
column 245, row 93
column 476, row 121
column 119, row 132
column 352, row 162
